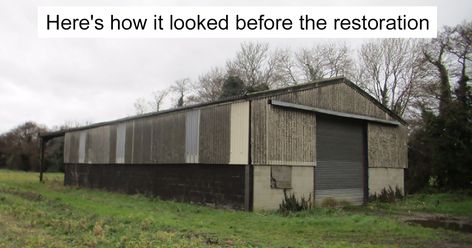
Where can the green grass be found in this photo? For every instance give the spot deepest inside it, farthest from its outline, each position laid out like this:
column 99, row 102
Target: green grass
column 454, row 204
column 51, row 215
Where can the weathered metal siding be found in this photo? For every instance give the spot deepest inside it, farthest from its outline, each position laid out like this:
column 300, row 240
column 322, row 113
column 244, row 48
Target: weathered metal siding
column 387, row 146
column 192, row 136
column 239, row 133
column 97, row 145
column 259, row 131
column 120, row 143
column 269, row 126
column 112, row 149
column 282, row 137
column 168, row 138
column 82, row 146
column 129, row 140
column 67, row 148
column 142, row 141
column 340, row 159
column 290, row 137
column 214, row 147
column 71, row 147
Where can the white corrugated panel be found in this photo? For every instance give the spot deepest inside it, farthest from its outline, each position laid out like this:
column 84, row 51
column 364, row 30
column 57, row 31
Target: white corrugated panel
column 120, row 143
column 239, row 140
column 192, row 133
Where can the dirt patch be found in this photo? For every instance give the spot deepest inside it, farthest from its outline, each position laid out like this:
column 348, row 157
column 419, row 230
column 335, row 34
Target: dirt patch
column 449, row 223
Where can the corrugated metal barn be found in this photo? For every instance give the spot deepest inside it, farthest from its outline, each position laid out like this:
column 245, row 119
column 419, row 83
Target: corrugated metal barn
column 324, row 139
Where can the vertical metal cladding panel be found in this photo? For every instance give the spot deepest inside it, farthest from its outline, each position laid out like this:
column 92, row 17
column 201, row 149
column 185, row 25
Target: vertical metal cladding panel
column 340, row 162
column 120, row 143
column 214, row 135
column 74, row 147
column 98, row 145
column 112, row 149
column 129, row 142
column 138, row 141
column 168, row 138
column 192, row 128
column 290, row 137
column 239, row 137
column 258, row 131
column 147, row 141
column 67, row 148
column 387, row 146
column 82, row 144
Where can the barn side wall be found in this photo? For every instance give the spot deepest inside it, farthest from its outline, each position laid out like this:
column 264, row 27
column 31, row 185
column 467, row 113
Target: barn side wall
column 217, row 185
column 270, row 123
column 287, row 137
column 387, row 156
column 195, row 155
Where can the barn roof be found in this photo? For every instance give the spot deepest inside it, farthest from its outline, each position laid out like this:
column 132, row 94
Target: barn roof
column 249, row 96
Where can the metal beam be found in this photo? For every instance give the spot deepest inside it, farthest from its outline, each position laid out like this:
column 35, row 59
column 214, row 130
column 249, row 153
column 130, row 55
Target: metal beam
column 330, row 112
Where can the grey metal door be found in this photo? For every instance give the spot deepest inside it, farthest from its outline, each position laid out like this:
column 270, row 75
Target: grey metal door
column 339, row 172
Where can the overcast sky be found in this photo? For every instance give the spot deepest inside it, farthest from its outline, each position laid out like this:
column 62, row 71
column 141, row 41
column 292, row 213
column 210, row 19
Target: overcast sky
column 51, row 81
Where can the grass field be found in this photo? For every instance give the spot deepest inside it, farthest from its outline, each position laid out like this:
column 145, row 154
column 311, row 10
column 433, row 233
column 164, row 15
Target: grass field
column 51, row 215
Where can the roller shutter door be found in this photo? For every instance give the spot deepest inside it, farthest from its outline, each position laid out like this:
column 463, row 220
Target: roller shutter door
column 339, row 172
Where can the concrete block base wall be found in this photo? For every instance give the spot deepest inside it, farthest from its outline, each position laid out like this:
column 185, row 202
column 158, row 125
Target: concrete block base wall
column 380, row 178
column 267, row 198
column 217, row 185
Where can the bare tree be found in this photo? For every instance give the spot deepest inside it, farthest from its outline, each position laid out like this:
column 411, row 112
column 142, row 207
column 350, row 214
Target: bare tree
column 181, row 88
column 256, row 65
column 140, row 106
column 158, row 97
column 391, row 70
column 209, row 85
column 324, row 61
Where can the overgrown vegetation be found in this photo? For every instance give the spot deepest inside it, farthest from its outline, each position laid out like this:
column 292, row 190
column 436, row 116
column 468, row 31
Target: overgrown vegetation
column 440, row 146
column 48, row 214
column 290, row 203
column 389, row 195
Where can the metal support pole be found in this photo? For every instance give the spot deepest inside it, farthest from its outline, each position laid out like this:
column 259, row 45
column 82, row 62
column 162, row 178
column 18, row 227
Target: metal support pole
column 41, row 158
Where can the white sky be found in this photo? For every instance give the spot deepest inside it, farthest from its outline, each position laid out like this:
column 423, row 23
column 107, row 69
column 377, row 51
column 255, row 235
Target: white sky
column 52, row 81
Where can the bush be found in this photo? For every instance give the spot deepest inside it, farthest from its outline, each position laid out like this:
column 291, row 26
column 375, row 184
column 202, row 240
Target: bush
column 291, row 204
column 388, row 195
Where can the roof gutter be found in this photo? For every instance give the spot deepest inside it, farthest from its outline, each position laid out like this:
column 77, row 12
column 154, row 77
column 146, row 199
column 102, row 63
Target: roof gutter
column 282, row 104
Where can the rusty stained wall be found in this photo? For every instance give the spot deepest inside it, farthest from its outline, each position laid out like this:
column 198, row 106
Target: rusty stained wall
column 387, row 146
column 214, row 147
